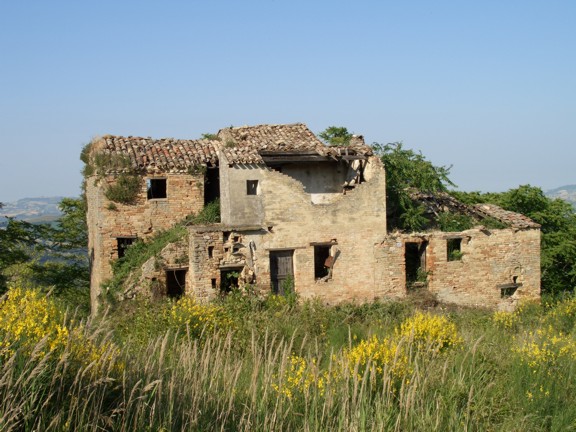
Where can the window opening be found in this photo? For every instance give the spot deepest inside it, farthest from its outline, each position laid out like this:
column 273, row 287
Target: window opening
column 175, row 283
column 415, row 262
column 213, row 283
column 322, row 261
column 210, row 251
column 156, row 188
column 454, row 249
column 252, row 187
column 123, row 243
column 509, row 289
column 229, row 279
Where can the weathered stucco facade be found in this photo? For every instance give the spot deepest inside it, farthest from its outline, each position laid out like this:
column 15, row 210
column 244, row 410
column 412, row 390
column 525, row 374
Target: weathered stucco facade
column 295, row 214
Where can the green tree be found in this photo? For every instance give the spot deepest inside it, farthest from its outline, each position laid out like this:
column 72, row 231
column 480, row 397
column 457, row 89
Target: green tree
column 18, row 241
column 407, row 171
column 55, row 256
column 64, row 264
column 336, row 136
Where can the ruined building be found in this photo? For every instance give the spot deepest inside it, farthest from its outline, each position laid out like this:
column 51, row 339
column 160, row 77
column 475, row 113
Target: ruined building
column 295, row 214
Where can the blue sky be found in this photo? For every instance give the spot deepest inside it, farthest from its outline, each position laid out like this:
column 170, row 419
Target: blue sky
column 486, row 86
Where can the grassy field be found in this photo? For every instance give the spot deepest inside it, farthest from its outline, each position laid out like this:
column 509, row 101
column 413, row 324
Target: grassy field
column 275, row 364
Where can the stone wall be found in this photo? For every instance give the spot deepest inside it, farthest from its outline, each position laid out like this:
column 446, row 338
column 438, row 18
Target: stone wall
column 110, row 220
column 490, row 260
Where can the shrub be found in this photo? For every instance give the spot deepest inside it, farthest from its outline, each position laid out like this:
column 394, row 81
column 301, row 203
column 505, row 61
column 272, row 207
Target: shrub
column 28, row 318
column 429, row 332
column 195, row 318
column 125, row 190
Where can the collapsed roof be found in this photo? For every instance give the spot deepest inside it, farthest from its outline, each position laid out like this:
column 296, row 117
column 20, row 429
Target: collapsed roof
column 239, row 145
column 439, row 202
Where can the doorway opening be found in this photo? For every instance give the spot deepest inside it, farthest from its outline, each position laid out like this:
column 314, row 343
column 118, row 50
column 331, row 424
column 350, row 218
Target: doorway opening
column 175, row 283
column 282, row 271
column 415, row 262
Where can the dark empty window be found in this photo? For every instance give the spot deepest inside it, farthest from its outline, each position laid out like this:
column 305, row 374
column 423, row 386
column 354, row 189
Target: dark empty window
column 175, row 283
column 322, row 261
column 454, row 249
column 156, row 188
column 210, row 251
column 252, row 187
column 123, row 243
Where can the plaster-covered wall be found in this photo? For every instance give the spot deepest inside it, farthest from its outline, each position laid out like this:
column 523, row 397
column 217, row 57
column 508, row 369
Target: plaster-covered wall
column 236, row 206
column 322, row 180
column 288, row 219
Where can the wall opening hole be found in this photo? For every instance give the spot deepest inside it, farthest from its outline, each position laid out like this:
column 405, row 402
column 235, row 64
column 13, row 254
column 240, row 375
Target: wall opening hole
column 156, row 188
column 415, row 262
column 211, row 185
column 251, row 187
column 321, row 261
column 124, row 243
column 175, row 283
column 454, row 249
column 229, row 279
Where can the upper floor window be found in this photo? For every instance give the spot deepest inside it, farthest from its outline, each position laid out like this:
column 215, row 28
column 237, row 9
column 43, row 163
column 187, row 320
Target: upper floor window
column 251, row 187
column 156, row 188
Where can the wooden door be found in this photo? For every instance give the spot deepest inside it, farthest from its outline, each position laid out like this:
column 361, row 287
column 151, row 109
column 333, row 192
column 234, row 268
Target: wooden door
column 281, row 269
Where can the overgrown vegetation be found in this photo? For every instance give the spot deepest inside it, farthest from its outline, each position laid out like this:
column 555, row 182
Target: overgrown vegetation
column 142, row 250
column 125, row 189
column 127, row 184
column 406, row 171
column 210, row 136
column 248, row 363
column 336, row 136
column 135, row 256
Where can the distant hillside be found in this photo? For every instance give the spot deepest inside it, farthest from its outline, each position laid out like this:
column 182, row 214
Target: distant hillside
column 34, row 210
column 567, row 193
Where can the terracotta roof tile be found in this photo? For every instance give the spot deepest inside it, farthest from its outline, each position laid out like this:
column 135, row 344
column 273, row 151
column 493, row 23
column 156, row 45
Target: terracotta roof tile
column 165, row 155
column 244, row 144
column 513, row 219
column 238, row 144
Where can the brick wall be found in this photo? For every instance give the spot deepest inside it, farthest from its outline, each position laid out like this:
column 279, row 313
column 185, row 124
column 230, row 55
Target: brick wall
column 109, row 220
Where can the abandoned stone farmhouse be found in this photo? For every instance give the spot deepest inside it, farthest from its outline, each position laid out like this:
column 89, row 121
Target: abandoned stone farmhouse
column 295, row 214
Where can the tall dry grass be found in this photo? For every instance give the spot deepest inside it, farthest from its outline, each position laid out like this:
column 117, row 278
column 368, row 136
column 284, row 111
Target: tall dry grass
column 215, row 381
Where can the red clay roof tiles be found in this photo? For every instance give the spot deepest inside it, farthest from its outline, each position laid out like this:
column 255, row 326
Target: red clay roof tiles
column 237, row 144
